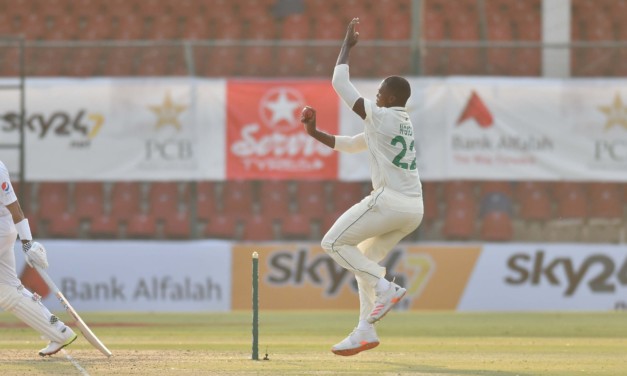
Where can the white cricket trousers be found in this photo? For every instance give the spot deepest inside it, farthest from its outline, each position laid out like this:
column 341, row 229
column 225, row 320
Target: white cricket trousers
column 8, row 275
column 366, row 232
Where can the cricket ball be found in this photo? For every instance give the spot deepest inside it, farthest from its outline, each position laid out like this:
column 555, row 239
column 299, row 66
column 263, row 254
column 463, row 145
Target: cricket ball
column 308, row 113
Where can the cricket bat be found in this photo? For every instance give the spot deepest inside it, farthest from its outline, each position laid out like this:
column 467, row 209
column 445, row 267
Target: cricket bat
column 87, row 333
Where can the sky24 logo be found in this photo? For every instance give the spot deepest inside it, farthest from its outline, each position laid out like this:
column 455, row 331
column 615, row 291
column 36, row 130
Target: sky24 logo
column 60, row 123
column 600, row 271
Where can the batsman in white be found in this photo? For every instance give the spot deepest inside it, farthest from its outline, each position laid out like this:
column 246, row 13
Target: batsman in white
column 14, row 297
column 366, row 232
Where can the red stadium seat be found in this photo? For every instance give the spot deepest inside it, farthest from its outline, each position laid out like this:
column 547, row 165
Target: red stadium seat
column 296, row 226
column 222, row 226
column 228, row 28
column 221, row 61
column 431, row 201
column 346, row 194
column 328, row 26
column 572, row 202
column 103, row 226
column 88, row 200
column 396, row 26
column 258, row 61
column 125, row 200
column 53, row 199
column 163, row 199
column 295, row 27
column 205, row 200
column 258, row 228
column 195, row 26
column 142, row 226
column 535, row 204
column 459, row 224
column 237, row 197
column 177, row 226
column 497, row 227
column 311, row 199
column 502, row 187
column 455, row 187
column 291, row 61
column 274, row 199
column 64, row 225
column 606, row 201
column 262, row 28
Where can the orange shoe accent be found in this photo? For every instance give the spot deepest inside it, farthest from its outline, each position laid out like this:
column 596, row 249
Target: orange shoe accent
column 349, row 352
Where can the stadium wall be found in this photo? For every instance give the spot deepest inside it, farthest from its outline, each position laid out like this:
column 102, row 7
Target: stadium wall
column 216, row 276
column 215, row 129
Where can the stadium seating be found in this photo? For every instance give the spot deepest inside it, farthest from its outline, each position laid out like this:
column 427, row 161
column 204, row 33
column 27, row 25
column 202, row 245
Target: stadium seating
column 125, row 200
column 258, row 228
column 52, row 198
column 311, row 199
column 142, row 226
column 222, row 226
column 178, row 226
column 497, row 226
column 88, row 200
column 64, row 225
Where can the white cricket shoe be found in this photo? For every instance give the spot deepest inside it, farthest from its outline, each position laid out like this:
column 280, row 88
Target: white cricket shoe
column 359, row 340
column 54, row 347
column 384, row 302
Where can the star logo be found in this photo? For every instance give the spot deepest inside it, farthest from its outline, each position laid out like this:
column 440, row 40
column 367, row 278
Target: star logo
column 280, row 107
column 616, row 113
column 168, row 113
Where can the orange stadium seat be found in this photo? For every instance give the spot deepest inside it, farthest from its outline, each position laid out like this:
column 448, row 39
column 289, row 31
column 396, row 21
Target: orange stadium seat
column 364, row 62
column 237, row 197
column 103, row 226
column 395, row 61
column 129, row 27
column 120, row 7
column 88, row 200
column 53, row 199
column 64, row 225
column 258, row 228
column 535, row 203
column 219, row 8
column 222, row 226
column 291, row 61
column 262, row 27
column 141, row 225
column 328, row 26
column 295, row 27
column 177, row 226
column 164, row 27
column 274, row 199
column 33, row 26
column 346, row 194
column 205, row 200
column 296, row 226
column 396, row 26
column 228, row 28
column 459, row 224
column 258, row 61
column 97, row 27
column 195, row 26
column 497, row 227
column 311, row 199
column 152, row 8
column 221, row 61
column 125, row 200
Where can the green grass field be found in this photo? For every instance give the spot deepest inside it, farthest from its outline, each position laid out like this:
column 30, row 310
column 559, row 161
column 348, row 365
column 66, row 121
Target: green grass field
column 298, row 343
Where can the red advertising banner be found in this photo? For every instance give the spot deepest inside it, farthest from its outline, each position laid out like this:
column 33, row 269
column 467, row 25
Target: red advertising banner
column 265, row 138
